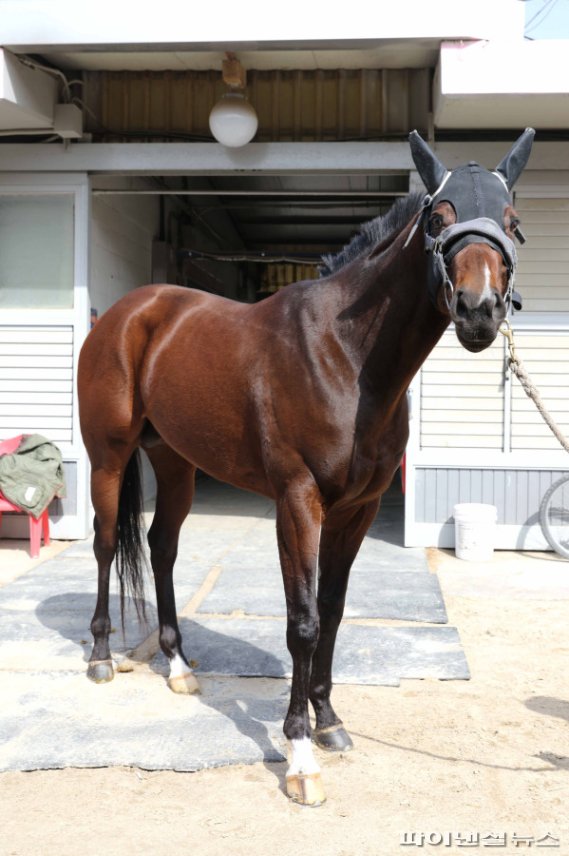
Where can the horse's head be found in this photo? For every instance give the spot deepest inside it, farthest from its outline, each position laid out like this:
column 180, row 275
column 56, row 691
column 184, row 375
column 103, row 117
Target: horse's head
column 469, row 224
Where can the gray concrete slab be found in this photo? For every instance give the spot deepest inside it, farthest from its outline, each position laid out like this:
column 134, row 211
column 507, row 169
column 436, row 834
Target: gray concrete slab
column 51, row 720
column 372, row 593
column 387, row 580
column 364, row 654
column 45, row 615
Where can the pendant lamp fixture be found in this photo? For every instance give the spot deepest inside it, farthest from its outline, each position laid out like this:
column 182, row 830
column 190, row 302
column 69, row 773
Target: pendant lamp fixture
column 233, row 120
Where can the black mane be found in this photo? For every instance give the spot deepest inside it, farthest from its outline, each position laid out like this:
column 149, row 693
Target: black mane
column 373, row 232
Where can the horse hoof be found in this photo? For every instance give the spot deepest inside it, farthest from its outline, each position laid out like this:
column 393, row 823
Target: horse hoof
column 333, row 739
column 100, row 671
column 186, row 684
column 306, row 789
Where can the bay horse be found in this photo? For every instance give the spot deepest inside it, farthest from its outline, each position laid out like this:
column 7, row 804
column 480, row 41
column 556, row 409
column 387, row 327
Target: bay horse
column 300, row 398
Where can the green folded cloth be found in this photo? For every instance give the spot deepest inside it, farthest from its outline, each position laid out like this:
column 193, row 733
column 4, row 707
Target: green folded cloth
column 32, row 475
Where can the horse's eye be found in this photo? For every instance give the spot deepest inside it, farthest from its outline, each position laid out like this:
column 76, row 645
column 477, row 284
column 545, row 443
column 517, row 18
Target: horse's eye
column 437, row 222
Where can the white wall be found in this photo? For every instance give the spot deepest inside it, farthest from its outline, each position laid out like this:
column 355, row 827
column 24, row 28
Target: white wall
column 122, row 231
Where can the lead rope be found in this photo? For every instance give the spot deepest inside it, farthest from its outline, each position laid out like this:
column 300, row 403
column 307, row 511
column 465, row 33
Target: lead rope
column 530, row 390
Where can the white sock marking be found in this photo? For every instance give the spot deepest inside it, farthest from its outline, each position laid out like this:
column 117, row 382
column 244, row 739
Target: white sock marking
column 178, row 668
column 301, row 757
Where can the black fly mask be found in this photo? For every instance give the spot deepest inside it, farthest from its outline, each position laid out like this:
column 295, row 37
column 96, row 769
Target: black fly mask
column 479, row 198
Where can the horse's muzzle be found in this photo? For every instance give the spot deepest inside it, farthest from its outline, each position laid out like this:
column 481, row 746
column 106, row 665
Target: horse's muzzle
column 477, row 319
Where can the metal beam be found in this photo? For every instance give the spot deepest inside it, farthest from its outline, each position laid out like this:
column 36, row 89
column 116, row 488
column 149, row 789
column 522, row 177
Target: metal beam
column 316, row 221
column 255, row 158
column 245, row 194
column 208, row 158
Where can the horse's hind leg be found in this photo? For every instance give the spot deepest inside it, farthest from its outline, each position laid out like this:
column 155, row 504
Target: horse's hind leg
column 106, row 480
column 340, row 541
column 175, row 490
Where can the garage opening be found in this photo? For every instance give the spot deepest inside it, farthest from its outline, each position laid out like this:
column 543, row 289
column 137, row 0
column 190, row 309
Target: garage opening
column 239, row 236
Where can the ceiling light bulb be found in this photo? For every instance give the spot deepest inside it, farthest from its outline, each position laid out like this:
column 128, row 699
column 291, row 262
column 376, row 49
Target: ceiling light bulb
column 233, row 120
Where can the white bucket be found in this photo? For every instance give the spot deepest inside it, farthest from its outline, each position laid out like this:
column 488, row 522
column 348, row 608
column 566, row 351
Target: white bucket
column 474, row 531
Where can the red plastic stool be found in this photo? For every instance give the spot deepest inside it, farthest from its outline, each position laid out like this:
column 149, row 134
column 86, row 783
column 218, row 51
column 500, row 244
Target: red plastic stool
column 37, row 525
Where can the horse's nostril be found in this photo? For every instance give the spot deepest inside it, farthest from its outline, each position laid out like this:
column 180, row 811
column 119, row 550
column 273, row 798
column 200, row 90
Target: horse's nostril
column 461, row 306
column 489, row 305
column 499, row 309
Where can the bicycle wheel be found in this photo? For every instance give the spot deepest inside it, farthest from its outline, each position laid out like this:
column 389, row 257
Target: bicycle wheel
column 554, row 516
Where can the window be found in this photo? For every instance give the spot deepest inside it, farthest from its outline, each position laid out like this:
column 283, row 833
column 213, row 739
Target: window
column 36, row 251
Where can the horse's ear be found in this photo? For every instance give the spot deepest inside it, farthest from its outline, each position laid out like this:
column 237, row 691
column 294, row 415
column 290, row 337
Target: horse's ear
column 515, row 161
column 428, row 165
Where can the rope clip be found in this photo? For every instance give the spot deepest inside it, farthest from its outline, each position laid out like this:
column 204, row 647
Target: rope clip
column 506, row 330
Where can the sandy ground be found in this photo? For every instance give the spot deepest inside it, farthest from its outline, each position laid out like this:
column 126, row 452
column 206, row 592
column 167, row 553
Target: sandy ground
column 432, row 759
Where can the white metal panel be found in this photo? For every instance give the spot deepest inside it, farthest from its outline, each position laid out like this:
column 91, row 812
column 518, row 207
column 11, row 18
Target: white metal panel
column 543, row 272
column 462, row 397
column 20, row 336
column 17, row 398
column 21, row 409
column 36, row 373
column 39, row 355
column 546, row 359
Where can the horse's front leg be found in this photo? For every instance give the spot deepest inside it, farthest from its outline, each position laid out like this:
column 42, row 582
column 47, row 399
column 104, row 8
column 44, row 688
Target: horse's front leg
column 298, row 529
column 175, row 490
column 342, row 535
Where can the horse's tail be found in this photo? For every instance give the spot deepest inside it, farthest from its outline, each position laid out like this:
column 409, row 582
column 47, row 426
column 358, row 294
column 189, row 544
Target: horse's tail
column 130, row 556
